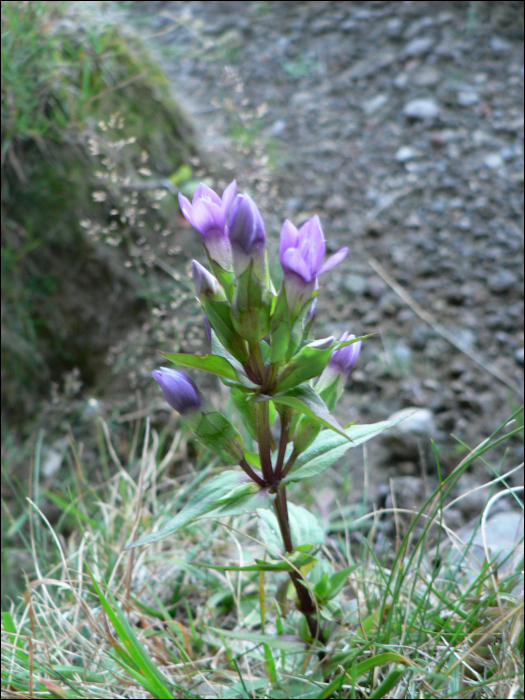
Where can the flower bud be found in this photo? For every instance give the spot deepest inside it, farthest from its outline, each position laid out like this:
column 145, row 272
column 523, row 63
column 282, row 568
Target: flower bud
column 212, row 429
column 344, row 359
column 247, row 235
column 205, row 283
column 178, row 389
column 339, row 366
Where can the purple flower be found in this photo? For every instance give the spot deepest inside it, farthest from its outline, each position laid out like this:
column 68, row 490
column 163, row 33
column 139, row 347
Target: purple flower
column 247, row 235
column 301, row 253
column 344, row 359
column 208, row 214
column 341, row 363
column 178, row 389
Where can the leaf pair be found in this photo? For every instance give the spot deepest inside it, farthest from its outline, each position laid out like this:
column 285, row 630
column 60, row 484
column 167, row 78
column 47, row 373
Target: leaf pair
column 232, row 492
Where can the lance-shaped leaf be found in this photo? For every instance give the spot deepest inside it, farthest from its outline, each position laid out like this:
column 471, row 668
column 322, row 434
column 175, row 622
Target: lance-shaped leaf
column 283, row 642
column 219, row 349
column 251, row 306
column 208, row 363
column 328, row 447
column 304, row 399
column 304, row 529
column 295, row 559
column 218, row 314
column 225, row 494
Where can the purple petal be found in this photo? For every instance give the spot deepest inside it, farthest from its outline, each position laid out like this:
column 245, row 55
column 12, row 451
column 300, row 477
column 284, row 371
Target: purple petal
column 228, row 196
column 185, row 208
column 344, row 359
column 207, row 194
column 246, row 227
column 205, row 283
column 292, row 261
column 207, row 215
column 333, row 260
column 311, row 244
column 289, row 237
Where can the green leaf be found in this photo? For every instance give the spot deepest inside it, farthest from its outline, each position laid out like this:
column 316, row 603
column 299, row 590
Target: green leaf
column 219, row 349
column 209, row 363
column 298, row 559
column 283, row 642
column 304, row 528
column 383, row 689
column 218, row 314
column 338, row 581
column 307, row 363
column 327, row 448
column 251, row 306
column 280, row 325
column 305, row 399
column 246, row 410
column 138, row 662
column 216, row 433
column 230, row 488
column 242, row 504
column 253, row 459
column 361, row 668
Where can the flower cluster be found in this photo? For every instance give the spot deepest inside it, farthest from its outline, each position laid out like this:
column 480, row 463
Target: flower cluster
column 260, row 336
column 263, row 350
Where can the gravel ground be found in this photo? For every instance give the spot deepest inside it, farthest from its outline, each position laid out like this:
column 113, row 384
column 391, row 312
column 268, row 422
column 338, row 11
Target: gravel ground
column 401, row 125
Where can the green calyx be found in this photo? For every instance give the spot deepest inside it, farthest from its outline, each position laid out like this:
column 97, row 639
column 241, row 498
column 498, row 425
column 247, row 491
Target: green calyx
column 251, row 306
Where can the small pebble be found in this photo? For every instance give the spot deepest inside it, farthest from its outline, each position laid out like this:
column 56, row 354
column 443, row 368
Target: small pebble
column 425, row 108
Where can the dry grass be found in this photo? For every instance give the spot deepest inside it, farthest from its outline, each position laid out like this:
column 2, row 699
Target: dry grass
column 96, row 621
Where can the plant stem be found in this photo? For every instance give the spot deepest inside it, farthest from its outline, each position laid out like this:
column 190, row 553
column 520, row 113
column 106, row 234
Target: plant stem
column 306, row 603
column 285, row 416
column 257, row 362
column 290, row 463
column 264, row 438
column 253, row 475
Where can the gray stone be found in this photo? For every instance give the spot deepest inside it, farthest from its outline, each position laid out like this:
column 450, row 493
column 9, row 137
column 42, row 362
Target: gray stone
column 375, row 103
column 466, row 98
column 493, row 160
column 499, row 45
column 419, row 46
column 278, row 127
column 405, row 153
column 412, row 433
column 502, row 281
column 466, row 550
column 355, row 284
column 424, row 108
column 394, row 28
column 427, row 76
column 337, row 203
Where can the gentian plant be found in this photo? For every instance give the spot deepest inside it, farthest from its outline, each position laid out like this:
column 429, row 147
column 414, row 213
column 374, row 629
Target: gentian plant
column 263, row 350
